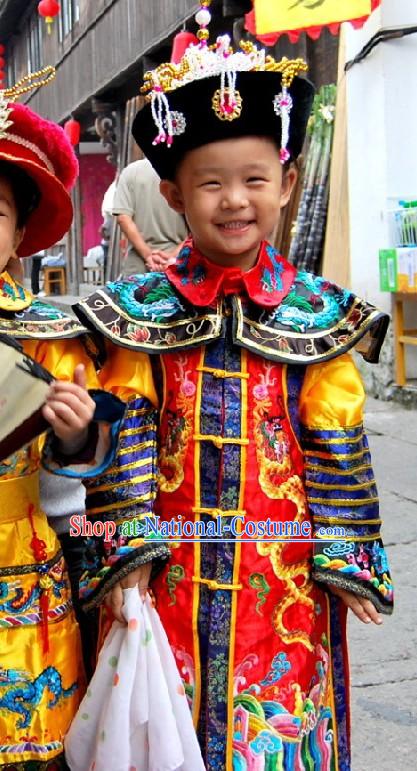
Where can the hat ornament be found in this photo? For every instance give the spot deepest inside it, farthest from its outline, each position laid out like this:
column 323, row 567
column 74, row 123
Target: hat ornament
column 201, row 61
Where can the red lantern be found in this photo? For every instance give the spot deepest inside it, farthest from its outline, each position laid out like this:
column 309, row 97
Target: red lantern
column 2, row 49
column 2, row 62
column 180, row 44
column 73, row 131
column 48, row 9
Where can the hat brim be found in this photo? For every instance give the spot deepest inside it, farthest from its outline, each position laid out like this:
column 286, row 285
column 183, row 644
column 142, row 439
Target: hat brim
column 202, row 126
column 52, row 218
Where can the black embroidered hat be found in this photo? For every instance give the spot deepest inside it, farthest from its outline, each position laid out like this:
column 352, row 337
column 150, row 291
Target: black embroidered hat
column 213, row 93
column 271, row 102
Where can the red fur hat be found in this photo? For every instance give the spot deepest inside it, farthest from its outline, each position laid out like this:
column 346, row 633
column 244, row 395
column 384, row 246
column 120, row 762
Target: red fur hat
column 42, row 150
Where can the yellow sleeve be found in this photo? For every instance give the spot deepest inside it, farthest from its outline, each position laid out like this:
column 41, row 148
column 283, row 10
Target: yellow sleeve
column 61, row 357
column 332, row 395
column 341, row 492
column 128, row 374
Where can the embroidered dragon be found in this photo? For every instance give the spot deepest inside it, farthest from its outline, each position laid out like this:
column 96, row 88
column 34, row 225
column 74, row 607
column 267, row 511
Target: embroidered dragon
column 21, row 695
column 311, row 303
column 13, row 598
column 279, row 483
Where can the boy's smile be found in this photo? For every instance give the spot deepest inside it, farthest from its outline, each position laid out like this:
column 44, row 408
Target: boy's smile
column 231, row 193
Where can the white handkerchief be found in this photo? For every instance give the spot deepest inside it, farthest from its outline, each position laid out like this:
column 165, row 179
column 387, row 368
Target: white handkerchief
column 135, row 715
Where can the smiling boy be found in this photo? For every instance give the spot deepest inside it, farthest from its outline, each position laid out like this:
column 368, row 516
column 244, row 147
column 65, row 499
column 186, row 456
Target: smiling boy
column 232, row 193
column 237, row 369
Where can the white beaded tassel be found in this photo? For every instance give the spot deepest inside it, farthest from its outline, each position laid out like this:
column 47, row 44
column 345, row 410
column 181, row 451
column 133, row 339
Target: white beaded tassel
column 161, row 114
column 282, row 107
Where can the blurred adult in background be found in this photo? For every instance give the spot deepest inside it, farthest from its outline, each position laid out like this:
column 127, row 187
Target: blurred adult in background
column 35, row 272
column 154, row 231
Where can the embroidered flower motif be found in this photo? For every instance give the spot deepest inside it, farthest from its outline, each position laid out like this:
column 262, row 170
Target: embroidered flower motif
column 354, row 318
column 138, row 334
column 260, row 392
column 283, row 344
column 170, row 338
column 188, row 388
column 60, row 327
column 36, row 328
column 342, row 339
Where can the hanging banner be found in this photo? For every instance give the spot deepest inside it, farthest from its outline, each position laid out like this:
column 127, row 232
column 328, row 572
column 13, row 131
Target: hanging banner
column 272, row 18
column 273, row 15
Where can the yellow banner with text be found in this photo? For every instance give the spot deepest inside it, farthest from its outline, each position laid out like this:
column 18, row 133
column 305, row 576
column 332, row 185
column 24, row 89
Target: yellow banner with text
column 277, row 15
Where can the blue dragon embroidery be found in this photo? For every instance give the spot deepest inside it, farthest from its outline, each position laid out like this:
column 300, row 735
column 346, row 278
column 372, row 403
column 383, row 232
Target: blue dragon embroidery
column 43, row 310
column 272, row 280
column 22, row 695
column 149, row 296
column 298, row 311
column 21, row 601
column 194, row 275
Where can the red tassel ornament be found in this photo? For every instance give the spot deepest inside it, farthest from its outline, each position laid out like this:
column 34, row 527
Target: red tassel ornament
column 45, row 582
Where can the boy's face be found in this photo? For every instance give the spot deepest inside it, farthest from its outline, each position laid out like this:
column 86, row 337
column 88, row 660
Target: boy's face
column 10, row 237
column 231, row 193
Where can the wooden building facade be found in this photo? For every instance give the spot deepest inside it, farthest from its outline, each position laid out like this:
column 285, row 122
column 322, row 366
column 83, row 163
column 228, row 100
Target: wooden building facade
column 100, row 48
column 97, row 46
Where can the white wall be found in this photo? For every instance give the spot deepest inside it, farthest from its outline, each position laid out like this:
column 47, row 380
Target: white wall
column 382, row 138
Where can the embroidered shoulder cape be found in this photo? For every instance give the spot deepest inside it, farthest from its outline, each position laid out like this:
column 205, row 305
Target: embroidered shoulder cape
column 284, row 315
column 25, row 318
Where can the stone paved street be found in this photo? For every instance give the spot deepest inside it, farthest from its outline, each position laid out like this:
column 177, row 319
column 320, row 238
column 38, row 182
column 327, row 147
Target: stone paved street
column 384, row 660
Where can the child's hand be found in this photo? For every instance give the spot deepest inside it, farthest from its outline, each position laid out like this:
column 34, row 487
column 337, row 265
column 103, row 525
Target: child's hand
column 140, row 578
column 69, row 409
column 363, row 609
column 159, row 260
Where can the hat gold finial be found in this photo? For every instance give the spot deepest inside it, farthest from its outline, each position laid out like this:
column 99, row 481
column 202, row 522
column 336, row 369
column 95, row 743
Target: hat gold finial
column 203, row 19
column 201, row 61
column 29, row 83
column 5, row 111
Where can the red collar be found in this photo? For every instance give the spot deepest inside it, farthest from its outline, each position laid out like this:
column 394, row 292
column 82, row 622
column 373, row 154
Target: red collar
column 202, row 282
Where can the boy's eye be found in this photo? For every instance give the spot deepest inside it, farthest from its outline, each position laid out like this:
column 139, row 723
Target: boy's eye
column 210, row 183
column 256, row 179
